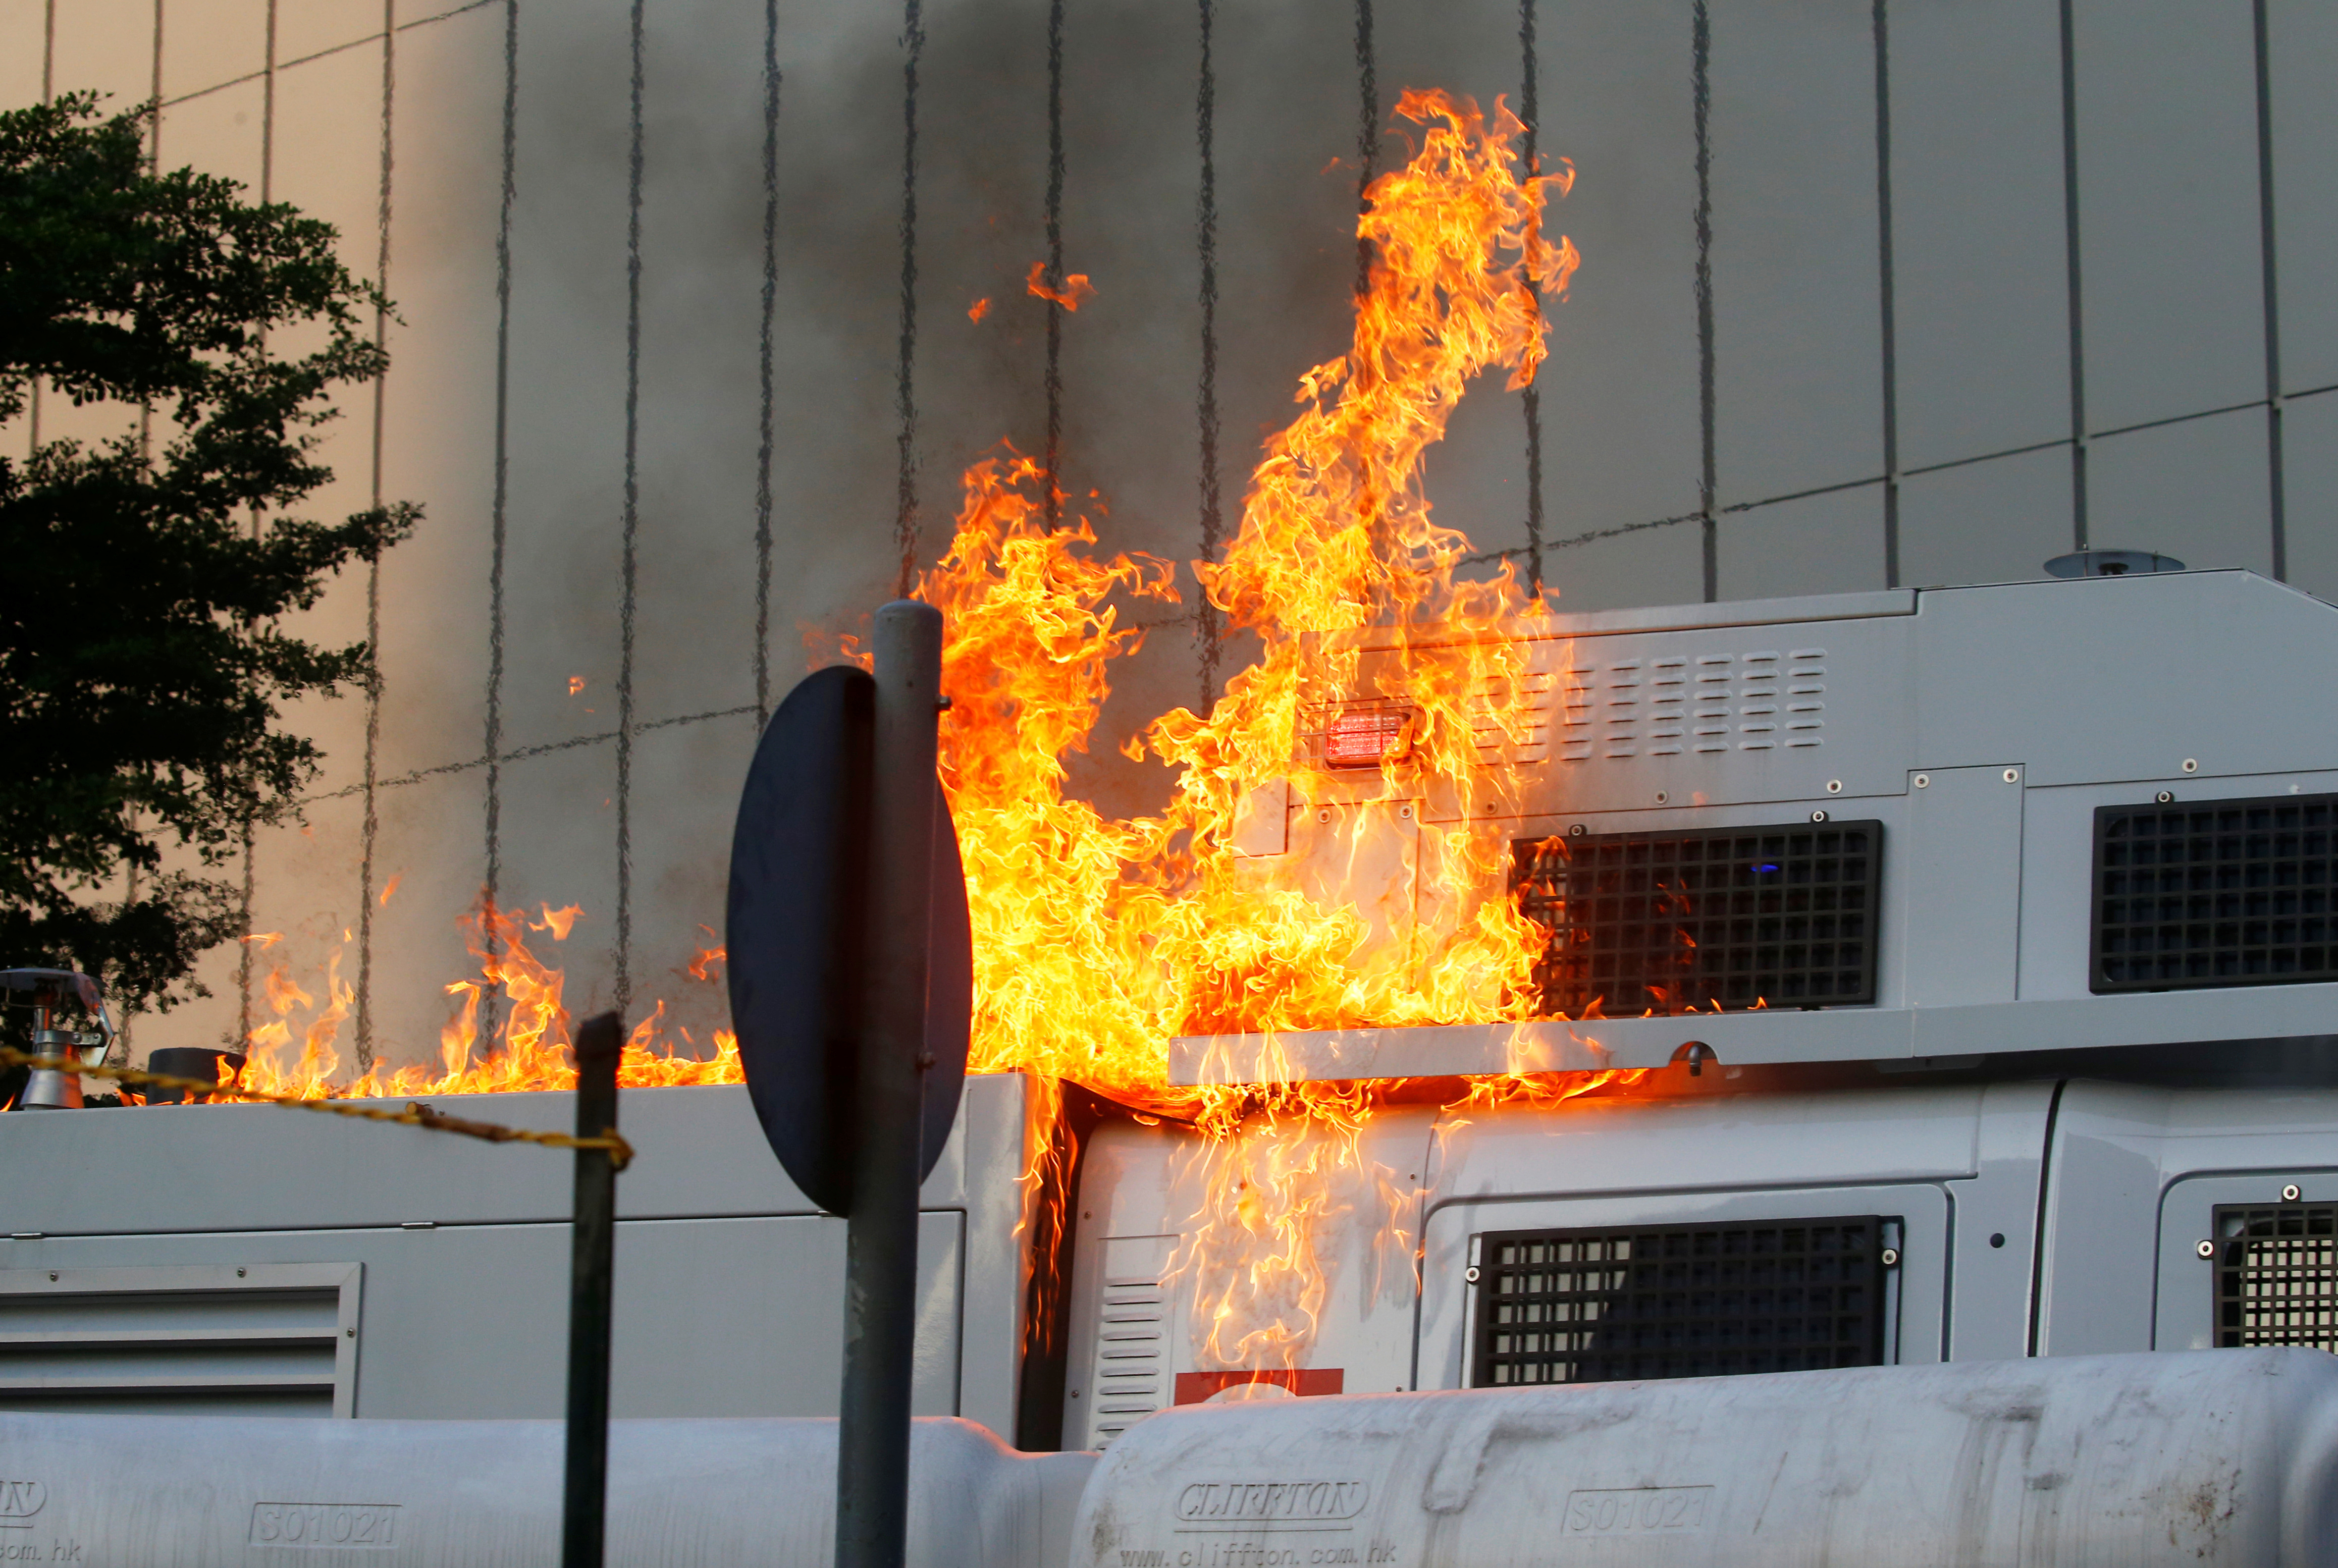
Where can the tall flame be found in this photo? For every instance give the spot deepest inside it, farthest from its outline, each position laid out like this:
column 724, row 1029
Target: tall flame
column 1097, row 940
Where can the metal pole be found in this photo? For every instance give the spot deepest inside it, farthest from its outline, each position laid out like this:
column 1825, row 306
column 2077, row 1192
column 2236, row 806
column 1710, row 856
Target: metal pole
column 872, row 1469
column 584, row 1510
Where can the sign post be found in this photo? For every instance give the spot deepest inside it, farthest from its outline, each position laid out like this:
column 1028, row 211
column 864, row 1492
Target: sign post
column 880, row 1267
column 586, row 1507
column 850, row 972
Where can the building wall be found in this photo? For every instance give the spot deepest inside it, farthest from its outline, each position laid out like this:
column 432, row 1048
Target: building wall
column 569, row 202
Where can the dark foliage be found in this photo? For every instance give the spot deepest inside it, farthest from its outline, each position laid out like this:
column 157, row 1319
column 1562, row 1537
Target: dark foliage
column 143, row 657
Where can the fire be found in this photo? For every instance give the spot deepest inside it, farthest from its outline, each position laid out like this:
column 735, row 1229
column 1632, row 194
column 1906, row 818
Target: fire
column 1353, row 740
column 1097, row 940
column 1075, row 288
column 524, row 1043
column 978, row 310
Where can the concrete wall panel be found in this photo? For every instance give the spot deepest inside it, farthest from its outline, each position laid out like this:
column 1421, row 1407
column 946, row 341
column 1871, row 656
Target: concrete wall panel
column 1978, row 261
column 2167, row 200
column 1798, row 358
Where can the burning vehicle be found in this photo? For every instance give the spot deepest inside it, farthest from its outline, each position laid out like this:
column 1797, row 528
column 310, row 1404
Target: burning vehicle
column 1729, row 1082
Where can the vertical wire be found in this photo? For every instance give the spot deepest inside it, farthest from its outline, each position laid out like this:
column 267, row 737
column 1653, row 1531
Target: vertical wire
column 48, row 91
column 491, row 886
column 155, row 124
column 905, row 516
column 2269, row 258
column 153, row 166
column 1890, row 324
column 1055, row 502
column 1531, row 107
column 1701, row 60
column 1205, row 393
column 372, row 831
column 266, row 187
column 268, row 114
column 763, row 362
column 1367, row 133
column 2074, row 279
column 622, row 985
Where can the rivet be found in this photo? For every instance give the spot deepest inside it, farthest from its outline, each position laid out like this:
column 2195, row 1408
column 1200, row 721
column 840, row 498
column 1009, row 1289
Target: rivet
column 1324, row 813
column 1996, row 1239
column 1891, row 1257
column 2206, row 1248
column 1834, row 786
column 2191, row 764
column 1923, row 780
column 1470, row 1274
column 2013, row 775
column 1405, row 812
column 1575, row 832
column 1818, row 816
column 2289, row 1194
column 2164, row 796
column 239, row 1273
column 351, row 1333
column 52, row 1273
column 1663, row 796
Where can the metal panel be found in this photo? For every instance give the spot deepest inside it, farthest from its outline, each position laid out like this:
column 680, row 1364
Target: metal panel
column 1774, row 914
column 2185, row 1314
column 2048, row 672
column 1915, row 1309
column 2095, row 1274
column 733, row 1317
column 255, row 1340
column 2225, row 892
column 1618, row 1303
column 1961, row 862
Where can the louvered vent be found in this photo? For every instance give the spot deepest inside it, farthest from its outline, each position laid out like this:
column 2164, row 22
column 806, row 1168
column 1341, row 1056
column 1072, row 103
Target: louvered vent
column 2277, row 1274
column 270, row 1339
column 1762, row 700
column 1131, row 1369
column 2215, row 893
column 1609, row 1305
column 1733, row 917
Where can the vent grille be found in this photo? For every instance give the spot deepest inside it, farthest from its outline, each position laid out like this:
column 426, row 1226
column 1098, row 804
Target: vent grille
column 268, row 1340
column 1130, row 1379
column 2277, row 1274
column 2215, row 893
column 1727, row 918
column 1717, row 702
column 1603, row 1305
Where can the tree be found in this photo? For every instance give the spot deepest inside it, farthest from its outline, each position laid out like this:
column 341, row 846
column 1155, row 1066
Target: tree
column 144, row 580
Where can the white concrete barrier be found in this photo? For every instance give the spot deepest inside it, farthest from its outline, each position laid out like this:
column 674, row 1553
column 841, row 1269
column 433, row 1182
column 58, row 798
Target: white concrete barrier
column 2227, row 1457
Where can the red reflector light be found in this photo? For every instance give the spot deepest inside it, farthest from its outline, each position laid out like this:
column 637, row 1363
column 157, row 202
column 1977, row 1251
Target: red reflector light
column 1367, row 737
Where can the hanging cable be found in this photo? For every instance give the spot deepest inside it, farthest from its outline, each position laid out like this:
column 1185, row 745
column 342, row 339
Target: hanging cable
column 763, row 362
column 621, row 988
column 1205, row 395
column 905, row 515
column 372, row 828
column 1367, row 133
column 1701, row 36
column 1055, row 260
column 1529, row 111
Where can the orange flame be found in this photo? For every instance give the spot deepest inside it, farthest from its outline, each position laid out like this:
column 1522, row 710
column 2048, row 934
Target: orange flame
column 1075, row 288
column 1315, row 868
column 978, row 310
